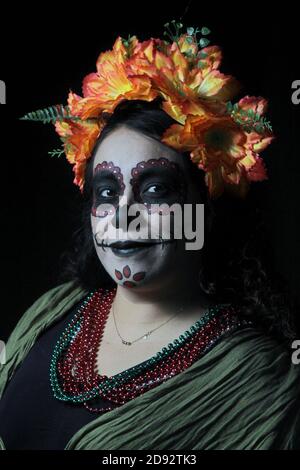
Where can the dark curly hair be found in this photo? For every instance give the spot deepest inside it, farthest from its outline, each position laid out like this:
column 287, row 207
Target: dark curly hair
column 237, row 262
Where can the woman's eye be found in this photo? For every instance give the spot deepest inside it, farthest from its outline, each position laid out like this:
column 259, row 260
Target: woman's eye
column 156, row 188
column 106, row 193
column 160, row 192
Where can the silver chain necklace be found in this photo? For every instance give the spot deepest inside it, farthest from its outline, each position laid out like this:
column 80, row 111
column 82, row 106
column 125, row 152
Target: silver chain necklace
column 144, row 336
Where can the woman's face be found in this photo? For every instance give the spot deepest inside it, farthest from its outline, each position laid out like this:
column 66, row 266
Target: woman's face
column 132, row 170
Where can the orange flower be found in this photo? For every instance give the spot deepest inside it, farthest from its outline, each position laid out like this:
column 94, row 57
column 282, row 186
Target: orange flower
column 110, row 85
column 143, row 71
column 223, row 149
column 79, row 139
column 223, row 140
column 188, row 84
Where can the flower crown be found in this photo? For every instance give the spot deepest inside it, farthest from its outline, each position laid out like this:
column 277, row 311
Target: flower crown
column 222, row 138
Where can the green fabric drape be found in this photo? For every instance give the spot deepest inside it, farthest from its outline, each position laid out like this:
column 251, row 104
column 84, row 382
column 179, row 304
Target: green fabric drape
column 242, row 394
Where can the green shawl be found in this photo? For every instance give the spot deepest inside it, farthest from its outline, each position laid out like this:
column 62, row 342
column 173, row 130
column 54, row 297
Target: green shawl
column 242, row 394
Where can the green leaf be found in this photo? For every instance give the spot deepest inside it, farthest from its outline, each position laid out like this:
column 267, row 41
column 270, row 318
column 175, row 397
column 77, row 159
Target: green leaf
column 189, row 54
column 201, row 64
column 56, row 152
column 248, row 119
column 203, row 55
column 204, row 42
column 205, row 31
column 190, row 31
column 50, row 115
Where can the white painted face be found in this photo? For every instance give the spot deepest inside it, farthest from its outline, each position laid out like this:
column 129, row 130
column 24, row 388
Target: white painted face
column 129, row 168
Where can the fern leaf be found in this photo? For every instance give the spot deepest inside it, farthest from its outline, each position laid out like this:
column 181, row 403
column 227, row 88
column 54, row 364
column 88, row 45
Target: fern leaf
column 56, row 152
column 50, row 114
column 248, row 119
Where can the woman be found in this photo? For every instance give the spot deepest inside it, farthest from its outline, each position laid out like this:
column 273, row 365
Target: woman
column 150, row 345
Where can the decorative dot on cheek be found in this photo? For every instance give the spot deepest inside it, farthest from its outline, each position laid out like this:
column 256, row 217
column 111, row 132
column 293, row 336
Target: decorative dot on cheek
column 96, row 212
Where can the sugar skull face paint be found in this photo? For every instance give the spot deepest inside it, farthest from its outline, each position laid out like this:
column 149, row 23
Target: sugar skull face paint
column 129, row 168
column 107, row 183
column 167, row 172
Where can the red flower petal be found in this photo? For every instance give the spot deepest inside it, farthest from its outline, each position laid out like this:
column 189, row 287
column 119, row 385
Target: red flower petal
column 127, row 271
column 118, row 274
column 128, row 284
column 139, row 276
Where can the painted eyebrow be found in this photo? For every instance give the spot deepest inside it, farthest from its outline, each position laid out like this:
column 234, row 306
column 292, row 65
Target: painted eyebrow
column 104, row 175
column 143, row 173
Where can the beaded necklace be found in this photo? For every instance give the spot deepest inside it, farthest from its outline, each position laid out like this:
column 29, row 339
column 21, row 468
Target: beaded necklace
column 73, row 371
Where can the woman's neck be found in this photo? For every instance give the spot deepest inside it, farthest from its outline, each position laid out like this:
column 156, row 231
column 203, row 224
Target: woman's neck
column 150, row 306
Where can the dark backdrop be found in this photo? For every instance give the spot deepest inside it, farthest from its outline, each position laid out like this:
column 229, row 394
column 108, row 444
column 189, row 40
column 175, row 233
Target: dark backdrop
column 45, row 52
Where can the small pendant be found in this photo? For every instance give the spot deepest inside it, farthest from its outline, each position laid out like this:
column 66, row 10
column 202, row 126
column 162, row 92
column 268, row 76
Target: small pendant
column 126, row 342
column 146, row 336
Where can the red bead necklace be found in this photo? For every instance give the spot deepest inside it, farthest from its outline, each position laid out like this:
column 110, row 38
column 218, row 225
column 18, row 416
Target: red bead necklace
column 74, row 375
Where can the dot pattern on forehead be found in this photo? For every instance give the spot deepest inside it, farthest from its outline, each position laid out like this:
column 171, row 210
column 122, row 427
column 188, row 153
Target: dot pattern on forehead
column 116, row 170
column 156, row 163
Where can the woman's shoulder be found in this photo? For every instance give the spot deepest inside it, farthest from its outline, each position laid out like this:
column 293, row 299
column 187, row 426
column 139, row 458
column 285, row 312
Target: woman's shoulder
column 48, row 306
column 45, row 310
column 251, row 376
column 259, row 361
column 252, row 347
column 262, row 363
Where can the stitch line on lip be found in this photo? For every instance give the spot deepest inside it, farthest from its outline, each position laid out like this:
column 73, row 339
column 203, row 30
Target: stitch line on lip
column 127, row 245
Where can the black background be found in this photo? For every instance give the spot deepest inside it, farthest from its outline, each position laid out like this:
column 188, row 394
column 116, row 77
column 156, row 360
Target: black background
column 47, row 50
